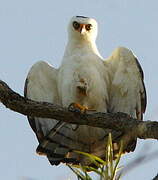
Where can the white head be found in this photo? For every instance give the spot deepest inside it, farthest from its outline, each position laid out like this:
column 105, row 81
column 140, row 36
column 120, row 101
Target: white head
column 82, row 28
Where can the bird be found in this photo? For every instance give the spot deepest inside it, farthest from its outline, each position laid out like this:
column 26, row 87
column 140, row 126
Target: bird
column 88, row 83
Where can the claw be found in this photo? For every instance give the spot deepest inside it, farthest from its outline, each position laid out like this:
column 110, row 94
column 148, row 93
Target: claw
column 75, row 107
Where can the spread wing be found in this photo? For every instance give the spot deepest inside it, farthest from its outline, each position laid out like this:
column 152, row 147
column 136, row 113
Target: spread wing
column 41, row 85
column 55, row 137
column 127, row 91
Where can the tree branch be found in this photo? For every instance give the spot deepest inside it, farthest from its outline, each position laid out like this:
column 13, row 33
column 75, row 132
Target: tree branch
column 115, row 121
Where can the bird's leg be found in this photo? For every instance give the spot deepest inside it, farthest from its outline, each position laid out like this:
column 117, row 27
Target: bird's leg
column 76, row 107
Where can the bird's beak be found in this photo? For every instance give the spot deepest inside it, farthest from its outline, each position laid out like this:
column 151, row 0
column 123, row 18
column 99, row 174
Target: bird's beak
column 82, row 28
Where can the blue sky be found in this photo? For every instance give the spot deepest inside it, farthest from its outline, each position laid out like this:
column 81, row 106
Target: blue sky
column 35, row 30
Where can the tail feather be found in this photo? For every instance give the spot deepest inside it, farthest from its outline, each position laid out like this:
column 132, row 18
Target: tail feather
column 58, row 142
column 57, row 161
column 59, row 145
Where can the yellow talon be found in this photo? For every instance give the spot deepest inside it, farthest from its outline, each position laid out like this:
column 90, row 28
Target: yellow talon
column 76, row 107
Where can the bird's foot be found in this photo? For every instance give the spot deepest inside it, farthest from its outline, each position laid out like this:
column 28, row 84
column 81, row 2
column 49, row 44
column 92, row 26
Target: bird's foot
column 76, row 107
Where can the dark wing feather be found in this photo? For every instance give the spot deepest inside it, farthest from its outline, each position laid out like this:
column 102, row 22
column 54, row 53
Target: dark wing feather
column 143, row 93
column 30, row 119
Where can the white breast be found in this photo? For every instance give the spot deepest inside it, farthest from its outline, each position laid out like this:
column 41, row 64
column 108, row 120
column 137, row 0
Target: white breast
column 90, row 69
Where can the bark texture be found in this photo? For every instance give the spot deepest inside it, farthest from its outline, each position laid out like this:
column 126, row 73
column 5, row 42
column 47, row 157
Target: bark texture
column 115, row 121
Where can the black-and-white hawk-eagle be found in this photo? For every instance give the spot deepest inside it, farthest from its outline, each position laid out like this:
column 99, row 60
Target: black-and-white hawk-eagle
column 87, row 79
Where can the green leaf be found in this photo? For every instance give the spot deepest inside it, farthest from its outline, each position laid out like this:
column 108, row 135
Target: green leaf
column 93, row 158
column 105, row 169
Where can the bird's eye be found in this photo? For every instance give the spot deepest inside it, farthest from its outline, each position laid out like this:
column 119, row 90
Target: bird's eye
column 76, row 25
column 88, row 27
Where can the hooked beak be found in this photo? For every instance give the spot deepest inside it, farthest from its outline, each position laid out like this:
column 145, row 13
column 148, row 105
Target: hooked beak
column 82, row 29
